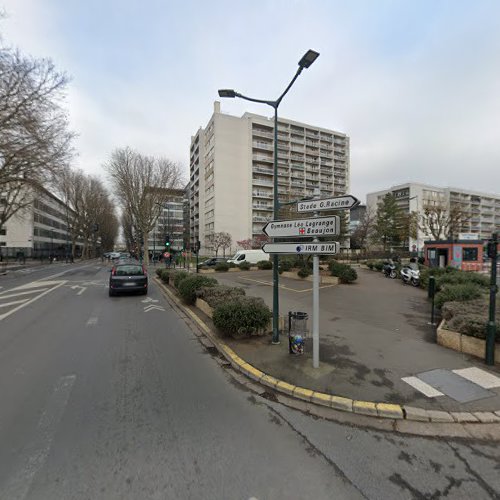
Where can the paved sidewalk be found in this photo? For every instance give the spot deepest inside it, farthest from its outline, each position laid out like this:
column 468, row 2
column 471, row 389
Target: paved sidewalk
column 372, row 335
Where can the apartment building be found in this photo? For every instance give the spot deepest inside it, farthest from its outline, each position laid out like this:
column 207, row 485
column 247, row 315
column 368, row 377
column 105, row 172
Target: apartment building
column 482, row 209
column 39, row 230
column 231, row 172
column 171, row 223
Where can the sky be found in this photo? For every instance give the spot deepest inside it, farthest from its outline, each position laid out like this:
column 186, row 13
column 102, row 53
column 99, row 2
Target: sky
column 414, row 84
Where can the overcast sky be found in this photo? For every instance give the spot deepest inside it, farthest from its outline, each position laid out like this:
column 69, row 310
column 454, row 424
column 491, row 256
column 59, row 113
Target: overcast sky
column 415, row 84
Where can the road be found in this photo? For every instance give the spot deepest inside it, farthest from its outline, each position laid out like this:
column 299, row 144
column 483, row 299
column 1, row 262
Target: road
column 115, row 398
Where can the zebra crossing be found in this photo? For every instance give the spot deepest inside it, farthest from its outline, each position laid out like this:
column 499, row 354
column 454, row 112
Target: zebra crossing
column 463, row 385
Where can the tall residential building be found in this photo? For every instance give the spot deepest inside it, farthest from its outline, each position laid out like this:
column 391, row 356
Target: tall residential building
column 482, row 209
column 231, row 172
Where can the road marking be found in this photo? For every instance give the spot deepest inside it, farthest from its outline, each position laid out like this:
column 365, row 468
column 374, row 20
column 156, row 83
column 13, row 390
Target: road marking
column 91, row 321
column 35, row 284
column 18, row 487
column 64, row 272
column 421, row 386
column 29, row 292
column 153, row 307
column 149, row 299
column 82, row 288
column 13, row 303
column 480, row 377
column 12, row 311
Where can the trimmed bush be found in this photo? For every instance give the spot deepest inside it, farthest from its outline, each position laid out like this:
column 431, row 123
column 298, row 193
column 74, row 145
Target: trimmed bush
column 265, row 264
column 222, row 266
column 284, row 265
column 189, row 286
column 219, row 294
column 164, row 275
column 159, row 272
column 370, row 265
column 244, row 266
column 231, row 265
column 378, row 265
column 178, row 276
column 303, row 272
column 242, row 317
column 348, row 275
column 459, row 292
column 461, row 277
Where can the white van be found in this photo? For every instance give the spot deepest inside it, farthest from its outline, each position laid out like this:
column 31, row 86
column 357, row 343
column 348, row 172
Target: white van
column 250, row 256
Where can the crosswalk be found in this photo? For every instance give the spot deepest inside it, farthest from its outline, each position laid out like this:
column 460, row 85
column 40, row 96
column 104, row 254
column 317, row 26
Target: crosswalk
column 463, row 384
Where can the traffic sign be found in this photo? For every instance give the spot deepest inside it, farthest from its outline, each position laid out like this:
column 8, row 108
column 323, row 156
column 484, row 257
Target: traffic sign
column 298, row 248
column 345, row 202
column 166, row 255
column 316, row 226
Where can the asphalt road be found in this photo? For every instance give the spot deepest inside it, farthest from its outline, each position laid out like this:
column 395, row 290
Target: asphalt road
column 115, row 398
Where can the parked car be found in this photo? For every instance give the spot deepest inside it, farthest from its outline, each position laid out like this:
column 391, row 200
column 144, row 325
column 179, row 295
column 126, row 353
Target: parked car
column 212, row 261
column 250, row 256
column 114, row 255
column 128, row 277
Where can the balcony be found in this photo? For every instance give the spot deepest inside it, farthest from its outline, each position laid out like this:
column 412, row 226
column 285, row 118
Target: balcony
column 263, row 194
column 262, row 133
column 259, row 218
column 297, row 166
column 268, row 159
column 260, row 170
column 297, row 184
column 262, row 182
column 262, row 207
column 263, row 145
column 297, row 157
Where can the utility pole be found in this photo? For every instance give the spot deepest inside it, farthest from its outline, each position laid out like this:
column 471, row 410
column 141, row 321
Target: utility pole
column 491, row 328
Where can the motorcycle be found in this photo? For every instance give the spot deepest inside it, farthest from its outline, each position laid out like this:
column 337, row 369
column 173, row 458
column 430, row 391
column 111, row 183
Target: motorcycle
column 410, row 276
column 389, row 269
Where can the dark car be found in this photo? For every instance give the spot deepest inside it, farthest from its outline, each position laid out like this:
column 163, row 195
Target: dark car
column 213, row 261
column 128, row 277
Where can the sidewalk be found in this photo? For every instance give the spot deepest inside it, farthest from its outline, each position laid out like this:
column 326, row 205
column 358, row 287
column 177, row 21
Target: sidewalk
column 372, row 335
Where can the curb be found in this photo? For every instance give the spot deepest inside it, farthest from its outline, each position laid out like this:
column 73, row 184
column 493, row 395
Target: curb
column 379, row 410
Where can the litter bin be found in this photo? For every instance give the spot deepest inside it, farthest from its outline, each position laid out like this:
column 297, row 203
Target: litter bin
column 297, row 331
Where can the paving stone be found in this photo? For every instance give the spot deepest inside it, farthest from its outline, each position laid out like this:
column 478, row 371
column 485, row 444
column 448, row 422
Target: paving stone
column 486, row 416
column 364, row 408
column 439, row 416
column 464, row 416
column 389, row 410
column 340, row 403
column 418, row 414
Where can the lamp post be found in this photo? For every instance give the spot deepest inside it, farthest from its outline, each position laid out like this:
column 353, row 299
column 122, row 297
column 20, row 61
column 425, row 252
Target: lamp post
column 418, row 215
column 307, row 59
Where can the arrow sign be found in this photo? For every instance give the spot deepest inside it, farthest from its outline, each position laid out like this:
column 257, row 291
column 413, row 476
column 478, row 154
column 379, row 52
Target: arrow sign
column 152, row 308
column 345, row 202
column 302, row 248
column 149, row 299
column 317, row 226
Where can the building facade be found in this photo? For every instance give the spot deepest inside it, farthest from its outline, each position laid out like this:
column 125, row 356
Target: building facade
column 231, row 172
column 171, row 224
column 482, row 210
column 38, row 231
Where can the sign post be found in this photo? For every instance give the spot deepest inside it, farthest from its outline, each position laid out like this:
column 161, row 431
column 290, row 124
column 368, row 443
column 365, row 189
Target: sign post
column 315, row 318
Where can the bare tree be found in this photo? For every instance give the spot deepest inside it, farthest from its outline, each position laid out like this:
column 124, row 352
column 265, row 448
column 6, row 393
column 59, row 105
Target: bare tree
column 245, row 244
column 217, row 240
column 141, row 182
column 227, row 241
column 34, row 139
column 442, row 222
column 360, row 237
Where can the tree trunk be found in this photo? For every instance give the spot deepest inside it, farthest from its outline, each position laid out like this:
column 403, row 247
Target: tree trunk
column 145, row 236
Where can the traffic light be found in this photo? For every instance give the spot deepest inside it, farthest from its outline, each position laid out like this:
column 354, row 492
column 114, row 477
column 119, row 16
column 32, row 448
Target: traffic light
column 167, row 241
column 197, row 247
column 492, row 249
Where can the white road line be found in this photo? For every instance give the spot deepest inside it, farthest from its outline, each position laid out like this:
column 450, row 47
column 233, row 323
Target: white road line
column 18, row 487
column 91, row 321
column 480, row 377
column 64, row 272
column 35, row 284
column 421, row 386
column 4, row 315
column 14, row 303
column 29, row 292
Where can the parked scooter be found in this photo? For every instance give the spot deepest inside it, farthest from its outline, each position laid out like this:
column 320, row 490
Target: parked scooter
column 389, row 269
column 410, row 275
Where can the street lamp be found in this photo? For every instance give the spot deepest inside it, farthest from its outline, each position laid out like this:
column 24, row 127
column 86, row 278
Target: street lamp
column 307, row 59
column 418, row 215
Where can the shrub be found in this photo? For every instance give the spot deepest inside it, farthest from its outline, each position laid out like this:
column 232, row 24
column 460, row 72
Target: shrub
column 244, row 266
column 348, row 275
column 265, row 264
column 188, row 287
column 222, row 266
column 461, row 277
column 231, row 265
column 165, row 275
column 303, row 272
column 284, row 265
column 459, row 292
column 242, row 317
column 178, row 276
column 378, row 265
column 370, row 265
column 159, row 272
column 219, row 294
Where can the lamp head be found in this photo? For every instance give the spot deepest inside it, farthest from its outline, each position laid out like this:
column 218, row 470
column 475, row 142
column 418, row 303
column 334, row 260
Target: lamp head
column 227, row 93
column 308, row 58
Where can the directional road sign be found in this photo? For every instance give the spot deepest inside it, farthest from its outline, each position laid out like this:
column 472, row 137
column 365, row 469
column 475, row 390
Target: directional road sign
column 323, row 248
column 316, row 226
column 345, row 202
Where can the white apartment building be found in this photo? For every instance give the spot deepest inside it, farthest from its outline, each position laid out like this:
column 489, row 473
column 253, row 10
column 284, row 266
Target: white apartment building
column 483, row 209
column 231, row 172
column 40, row 230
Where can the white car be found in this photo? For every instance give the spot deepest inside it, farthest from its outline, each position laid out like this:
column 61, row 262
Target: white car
column 114, row 255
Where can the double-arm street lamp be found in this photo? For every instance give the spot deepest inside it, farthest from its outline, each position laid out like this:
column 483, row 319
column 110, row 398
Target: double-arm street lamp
column 307, row 59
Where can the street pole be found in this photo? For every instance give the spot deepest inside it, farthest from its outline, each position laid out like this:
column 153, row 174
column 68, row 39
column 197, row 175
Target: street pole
column 315, row 318
column 491, row 328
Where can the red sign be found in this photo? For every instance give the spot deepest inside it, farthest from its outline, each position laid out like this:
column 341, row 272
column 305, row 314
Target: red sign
column 166, row 255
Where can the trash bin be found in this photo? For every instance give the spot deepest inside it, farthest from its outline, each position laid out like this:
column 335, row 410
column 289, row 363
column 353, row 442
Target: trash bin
column 297, row 331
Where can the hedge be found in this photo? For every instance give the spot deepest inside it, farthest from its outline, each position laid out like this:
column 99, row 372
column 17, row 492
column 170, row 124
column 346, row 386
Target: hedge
column 189, row 285
column 303, row 272
column 219, row 294
column 222, row 266
column 178, row 276
column 244, row 266
column 344, row 272
column 460, row 292
column 242, row 317
column 265, row 264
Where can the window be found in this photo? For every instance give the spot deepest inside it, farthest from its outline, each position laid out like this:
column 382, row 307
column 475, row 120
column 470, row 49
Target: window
column 3, row 231
column 469, row 254
column 241, row 257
